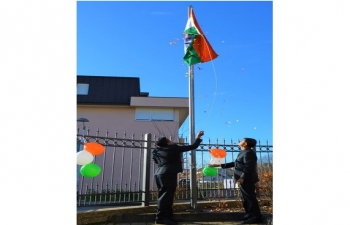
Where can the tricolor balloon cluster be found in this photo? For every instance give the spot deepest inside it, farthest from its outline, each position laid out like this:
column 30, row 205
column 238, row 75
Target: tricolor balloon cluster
column 217, row 155
column 86, row 157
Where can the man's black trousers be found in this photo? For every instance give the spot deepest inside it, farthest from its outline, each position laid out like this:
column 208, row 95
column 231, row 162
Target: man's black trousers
column 166, row 184
column 250, row 203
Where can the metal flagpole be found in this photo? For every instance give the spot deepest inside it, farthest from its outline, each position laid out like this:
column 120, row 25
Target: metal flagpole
column 192, row 134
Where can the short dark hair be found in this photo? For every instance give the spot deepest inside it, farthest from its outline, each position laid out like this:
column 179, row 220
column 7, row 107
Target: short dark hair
column 251, row 142
column 163, row 141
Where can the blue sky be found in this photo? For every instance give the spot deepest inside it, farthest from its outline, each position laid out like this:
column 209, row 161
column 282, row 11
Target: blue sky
column 233, row 93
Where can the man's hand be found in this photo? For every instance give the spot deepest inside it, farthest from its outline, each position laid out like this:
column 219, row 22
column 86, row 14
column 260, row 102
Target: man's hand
column 214, row 165
column 200, row 134
column 240, row 181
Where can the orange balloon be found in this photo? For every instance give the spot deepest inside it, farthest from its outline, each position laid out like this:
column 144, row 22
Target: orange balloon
column 217, row 152
column 94, row 148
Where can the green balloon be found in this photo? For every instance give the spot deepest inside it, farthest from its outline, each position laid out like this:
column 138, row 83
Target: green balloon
column 210, row 171
column 90, row 170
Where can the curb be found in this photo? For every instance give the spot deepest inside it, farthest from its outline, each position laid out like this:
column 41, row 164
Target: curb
column 132, row 214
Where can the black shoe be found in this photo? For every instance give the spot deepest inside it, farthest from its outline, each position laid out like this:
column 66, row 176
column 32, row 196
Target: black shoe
column 174, row 219
column 245, row 217
column 252, row 221
column 165, row 221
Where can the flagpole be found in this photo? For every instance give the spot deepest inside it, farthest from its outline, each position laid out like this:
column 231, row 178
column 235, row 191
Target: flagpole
column 193, row 166
column 197, row 50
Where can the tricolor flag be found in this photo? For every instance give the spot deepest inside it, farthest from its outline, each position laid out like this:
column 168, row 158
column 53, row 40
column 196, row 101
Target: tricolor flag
column 197, row 47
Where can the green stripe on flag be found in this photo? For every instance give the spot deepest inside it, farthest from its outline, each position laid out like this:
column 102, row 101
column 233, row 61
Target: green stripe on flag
column 191, row 30
column 191, row 57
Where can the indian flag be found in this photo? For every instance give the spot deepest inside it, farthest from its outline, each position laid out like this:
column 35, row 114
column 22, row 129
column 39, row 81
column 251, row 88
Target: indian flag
column 197, row 47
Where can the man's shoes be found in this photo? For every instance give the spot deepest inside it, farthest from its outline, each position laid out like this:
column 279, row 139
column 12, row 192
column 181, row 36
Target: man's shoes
column 165, row 221
column 252, row 221
column 174, row 219
column 245, row 217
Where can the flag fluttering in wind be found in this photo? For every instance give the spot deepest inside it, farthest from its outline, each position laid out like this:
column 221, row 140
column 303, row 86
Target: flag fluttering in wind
column 197, row 47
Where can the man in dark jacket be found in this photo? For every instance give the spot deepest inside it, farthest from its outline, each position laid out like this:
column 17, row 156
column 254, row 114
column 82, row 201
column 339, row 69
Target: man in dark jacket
column 245, row 174
column 168, row 157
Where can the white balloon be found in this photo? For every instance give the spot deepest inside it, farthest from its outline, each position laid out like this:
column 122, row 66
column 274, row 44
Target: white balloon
column 84, row 157
column 216, row 161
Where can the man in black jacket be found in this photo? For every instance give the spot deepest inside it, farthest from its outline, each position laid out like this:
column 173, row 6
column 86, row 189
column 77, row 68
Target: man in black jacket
column 168, row 157
column 245, row 174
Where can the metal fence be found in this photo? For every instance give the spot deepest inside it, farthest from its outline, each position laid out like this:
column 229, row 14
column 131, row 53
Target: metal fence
column 127, row 170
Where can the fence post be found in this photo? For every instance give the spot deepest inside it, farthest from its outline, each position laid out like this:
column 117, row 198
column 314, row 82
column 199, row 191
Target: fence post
column 146, row 170
column 80, row 146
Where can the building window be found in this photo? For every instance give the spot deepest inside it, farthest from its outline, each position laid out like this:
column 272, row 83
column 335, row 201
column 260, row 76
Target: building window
column 82, row 89
column 146, row 114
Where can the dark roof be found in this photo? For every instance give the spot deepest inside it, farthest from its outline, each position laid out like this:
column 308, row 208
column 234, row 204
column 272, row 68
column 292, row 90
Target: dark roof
column 109, row 90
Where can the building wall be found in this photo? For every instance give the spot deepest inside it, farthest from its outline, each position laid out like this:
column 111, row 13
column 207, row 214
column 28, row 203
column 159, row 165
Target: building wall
column 122, row 119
